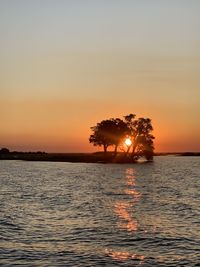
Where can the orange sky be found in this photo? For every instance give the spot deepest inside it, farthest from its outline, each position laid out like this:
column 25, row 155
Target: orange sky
column 65, row 126
column 67, row 65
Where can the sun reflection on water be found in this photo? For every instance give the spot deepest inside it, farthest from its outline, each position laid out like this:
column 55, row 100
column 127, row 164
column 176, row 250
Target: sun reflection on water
column 122, row 255
column 134, row 193
column 128, row 223
column 124, row 209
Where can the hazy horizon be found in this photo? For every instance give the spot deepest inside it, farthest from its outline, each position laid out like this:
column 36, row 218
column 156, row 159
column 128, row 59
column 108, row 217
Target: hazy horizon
column 66, row 65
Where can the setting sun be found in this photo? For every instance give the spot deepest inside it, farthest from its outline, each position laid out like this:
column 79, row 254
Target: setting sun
column 128, row 142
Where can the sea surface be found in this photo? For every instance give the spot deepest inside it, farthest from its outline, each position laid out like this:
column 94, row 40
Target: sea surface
column 80, row 214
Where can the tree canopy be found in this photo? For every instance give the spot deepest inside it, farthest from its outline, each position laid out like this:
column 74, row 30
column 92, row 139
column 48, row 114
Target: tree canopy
column 109, row 133
column 113, row 133
column 4, row 150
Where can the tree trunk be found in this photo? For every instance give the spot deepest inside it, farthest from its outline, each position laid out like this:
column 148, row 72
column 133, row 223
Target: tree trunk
column 116, row 146
column 128, row 150
column 133, row 150
column 134, row 146
column 105, row 148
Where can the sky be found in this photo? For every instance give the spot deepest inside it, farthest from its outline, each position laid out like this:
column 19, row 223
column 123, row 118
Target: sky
column 67, row 64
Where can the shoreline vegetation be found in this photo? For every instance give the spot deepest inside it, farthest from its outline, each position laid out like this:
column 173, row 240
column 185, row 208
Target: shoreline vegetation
column 130, row 138
column 96, row 157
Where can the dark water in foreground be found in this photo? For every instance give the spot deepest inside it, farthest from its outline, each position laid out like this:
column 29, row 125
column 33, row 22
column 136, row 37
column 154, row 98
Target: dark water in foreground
column 69, row 214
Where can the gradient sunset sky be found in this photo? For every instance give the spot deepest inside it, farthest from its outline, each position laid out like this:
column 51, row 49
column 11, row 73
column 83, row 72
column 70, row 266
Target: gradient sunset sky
column 67, row 64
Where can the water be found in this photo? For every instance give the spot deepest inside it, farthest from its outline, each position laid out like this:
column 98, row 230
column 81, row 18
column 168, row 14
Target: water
column 71, row 214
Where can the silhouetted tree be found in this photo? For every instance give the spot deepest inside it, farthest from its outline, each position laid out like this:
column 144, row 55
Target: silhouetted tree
column 141, row 137
column 113, row 132
column 109, row 133
column 4, row 150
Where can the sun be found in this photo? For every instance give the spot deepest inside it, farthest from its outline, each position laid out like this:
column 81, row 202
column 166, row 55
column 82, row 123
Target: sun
column 128, row 142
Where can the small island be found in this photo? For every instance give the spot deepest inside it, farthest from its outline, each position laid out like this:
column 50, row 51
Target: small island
column 131, row 139
column 123, row 141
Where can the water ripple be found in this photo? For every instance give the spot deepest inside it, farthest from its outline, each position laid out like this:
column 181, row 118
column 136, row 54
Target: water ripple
column 63, row 214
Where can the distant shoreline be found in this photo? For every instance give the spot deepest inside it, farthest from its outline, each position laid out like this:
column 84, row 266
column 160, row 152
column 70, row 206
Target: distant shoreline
column 97, row 157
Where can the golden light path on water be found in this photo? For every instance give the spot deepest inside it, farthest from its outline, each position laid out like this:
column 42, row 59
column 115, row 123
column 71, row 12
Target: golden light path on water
column 127, row 222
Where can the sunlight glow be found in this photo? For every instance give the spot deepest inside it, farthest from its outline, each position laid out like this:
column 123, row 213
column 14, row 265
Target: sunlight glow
column 128, row 142
column 124, row 255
